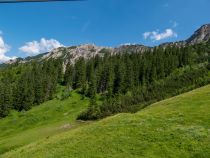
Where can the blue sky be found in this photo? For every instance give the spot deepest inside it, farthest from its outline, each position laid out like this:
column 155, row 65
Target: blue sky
column 102, row 22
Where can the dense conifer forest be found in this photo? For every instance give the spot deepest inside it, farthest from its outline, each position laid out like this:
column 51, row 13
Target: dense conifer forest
column 121, row 81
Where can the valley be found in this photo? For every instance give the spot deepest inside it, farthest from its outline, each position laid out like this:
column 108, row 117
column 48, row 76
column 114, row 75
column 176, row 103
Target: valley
column 93, row 101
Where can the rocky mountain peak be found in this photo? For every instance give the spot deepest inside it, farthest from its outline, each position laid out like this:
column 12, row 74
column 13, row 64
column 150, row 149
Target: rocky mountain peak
column 73, row 53
column 87, row 51
column 130, row 48
column 201, row 35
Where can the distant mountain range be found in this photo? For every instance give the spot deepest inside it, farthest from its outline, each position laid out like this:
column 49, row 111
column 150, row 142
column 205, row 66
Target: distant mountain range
column 71, row 54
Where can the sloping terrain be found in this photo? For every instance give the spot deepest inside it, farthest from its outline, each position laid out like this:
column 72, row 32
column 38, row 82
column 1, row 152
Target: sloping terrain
column 50, row 118
column 176, row 127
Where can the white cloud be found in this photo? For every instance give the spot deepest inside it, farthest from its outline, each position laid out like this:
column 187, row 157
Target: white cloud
column 4, row 48
column 157, row 36
column 42, row 46
column 127, row 44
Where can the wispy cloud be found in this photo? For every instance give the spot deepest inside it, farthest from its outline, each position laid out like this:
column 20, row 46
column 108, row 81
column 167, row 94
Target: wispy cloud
column 157, row 35
column 174, row 23
column 85, row 26
column 166, row 5
column 73, row 17
column 4, row 48
column 42, row 46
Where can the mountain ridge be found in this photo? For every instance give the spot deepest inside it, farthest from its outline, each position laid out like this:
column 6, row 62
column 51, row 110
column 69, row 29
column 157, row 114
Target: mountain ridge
column 87, row 51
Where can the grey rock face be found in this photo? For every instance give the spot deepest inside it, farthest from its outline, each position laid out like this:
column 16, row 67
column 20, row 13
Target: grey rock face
column 72, row 54
column 130, row 49
column 201, row 35
column 87, row 51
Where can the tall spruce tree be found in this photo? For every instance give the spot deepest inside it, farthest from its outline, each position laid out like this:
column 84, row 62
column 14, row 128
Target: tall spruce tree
column 69, row 75
column 92, row 83
column 80, row 75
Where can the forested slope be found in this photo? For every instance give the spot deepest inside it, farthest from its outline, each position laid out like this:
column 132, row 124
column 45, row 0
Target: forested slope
column 176, row 127
column 43, row 98
column 124, row 79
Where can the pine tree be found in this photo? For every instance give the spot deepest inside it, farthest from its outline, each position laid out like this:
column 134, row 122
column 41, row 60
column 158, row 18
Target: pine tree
column 119, row 81
column 153, row 76
column 39, row 84
column 5, row 100
column 92, row 83
column 80, row 75
column 69, row 75
column 110, row 80
column 59, row 70
column 24, row 95
column 208, row 65
column 129, row 75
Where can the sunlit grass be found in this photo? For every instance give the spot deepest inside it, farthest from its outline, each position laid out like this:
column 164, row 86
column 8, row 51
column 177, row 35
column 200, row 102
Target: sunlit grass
column 176, row 127
column 50, row 118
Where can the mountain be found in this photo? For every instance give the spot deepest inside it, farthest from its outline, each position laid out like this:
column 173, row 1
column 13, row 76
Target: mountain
column 55, row 110
column 71, row 54
column 87, row 51
column 131, row 48
column 25, row 60
column 201, row 35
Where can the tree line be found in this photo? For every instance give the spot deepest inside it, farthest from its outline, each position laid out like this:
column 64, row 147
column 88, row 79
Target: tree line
column 27, row 85
column 125, row 82
column 130, row 81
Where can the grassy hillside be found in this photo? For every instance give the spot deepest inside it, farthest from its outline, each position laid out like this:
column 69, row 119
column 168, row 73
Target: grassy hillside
column 42, row 121
column 176, row 127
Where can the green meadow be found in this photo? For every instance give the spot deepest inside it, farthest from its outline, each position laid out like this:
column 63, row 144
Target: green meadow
column 50, row 118
column 176, row 127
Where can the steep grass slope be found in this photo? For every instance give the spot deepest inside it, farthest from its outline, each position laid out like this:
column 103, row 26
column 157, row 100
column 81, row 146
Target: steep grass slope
column 176, row 127
column 43, row 121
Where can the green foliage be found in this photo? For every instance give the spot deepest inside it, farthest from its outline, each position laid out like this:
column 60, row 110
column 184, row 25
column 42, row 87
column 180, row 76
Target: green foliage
column 5, row 100
column 180, row 81
column 80, row 75
column 41, row 122
column 149, row 76
column 92, row 83
column 93, row 111
column 69, row 75
column 112, row 76
column 28, row 84
column 65, row 94
column 177, row 127
column 125, row 82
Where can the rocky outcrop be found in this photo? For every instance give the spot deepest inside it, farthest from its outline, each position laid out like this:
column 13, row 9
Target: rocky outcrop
column 201, row 35
column 71, row 54
column 87, row 51
column 131, row 48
